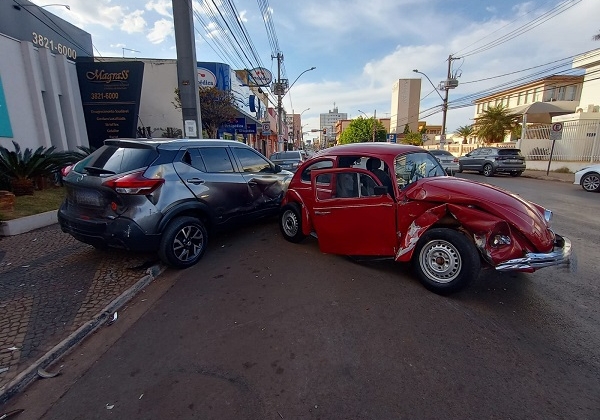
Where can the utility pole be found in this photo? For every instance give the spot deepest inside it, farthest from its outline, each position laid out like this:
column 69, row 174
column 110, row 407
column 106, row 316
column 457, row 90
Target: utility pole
column 449, row 83
column 279, row 89
column 187, row 68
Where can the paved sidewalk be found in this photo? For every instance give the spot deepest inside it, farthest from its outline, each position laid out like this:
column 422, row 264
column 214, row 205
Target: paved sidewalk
column 54, row 291
column 552, row 176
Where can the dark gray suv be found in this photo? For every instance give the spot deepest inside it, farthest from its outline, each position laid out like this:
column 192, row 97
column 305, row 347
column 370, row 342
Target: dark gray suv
column 167, row 195
column 492, row 160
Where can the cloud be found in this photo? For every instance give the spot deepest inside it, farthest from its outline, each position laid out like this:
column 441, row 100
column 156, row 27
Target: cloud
column 162, row 7
column 162, row 30
column 133, row 22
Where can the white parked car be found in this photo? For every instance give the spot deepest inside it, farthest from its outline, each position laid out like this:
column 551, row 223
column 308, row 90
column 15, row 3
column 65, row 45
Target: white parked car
column 588, row 178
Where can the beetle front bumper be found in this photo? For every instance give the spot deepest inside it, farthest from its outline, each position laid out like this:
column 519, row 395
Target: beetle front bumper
column 561, row 254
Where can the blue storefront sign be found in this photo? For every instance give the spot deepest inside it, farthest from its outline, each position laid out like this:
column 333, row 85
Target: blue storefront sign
column 238, row 124
column 391, row 137
column 250, row 129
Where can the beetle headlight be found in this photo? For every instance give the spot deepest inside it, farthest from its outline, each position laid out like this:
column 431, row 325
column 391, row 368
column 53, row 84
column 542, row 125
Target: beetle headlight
column 501, row 240
column 547, row 215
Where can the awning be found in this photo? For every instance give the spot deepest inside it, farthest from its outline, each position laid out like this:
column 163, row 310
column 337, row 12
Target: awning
column 542, row 112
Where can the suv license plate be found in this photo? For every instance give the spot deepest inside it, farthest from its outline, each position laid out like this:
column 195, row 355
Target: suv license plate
column 87, row 198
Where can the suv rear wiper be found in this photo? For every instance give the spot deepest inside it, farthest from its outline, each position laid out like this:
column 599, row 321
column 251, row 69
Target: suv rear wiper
column 99, row 170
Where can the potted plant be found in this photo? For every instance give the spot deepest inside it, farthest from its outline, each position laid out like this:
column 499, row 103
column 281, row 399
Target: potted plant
column 23, row 167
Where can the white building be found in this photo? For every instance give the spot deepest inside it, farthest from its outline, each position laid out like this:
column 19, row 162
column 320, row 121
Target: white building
column 327, row 126
column 406, row 96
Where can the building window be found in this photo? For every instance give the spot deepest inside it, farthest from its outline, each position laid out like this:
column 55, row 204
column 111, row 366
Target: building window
column 571, row 93
column 561, row 93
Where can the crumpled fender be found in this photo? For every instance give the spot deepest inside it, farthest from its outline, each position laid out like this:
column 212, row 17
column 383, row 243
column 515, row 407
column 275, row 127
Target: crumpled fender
column 292, row 196
column 478, row 224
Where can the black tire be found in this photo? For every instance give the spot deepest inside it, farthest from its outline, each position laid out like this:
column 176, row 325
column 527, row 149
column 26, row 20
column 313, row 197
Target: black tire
column 446, row 261
column 488, row 170
column 290, row 223
column 590, row 182
column 183, row 242
column 515, row 174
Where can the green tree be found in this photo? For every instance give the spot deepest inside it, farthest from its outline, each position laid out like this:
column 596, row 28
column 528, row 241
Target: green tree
column 494, row 123
column 465, row 131
column 406, row 129
column 216, row 108
column 360, row 130
column 414, row 138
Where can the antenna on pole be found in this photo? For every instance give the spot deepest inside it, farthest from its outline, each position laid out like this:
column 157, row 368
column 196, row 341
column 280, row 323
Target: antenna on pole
column 129, row 49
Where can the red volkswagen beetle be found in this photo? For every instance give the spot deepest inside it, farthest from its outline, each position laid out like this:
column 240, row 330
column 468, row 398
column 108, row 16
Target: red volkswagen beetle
column 392, row 200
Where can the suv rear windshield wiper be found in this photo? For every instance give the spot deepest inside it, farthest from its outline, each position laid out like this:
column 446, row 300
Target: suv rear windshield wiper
column 99, row 171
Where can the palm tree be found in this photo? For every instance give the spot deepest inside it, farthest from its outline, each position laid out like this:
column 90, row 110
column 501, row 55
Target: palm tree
column 465, row 131
column 494, row 123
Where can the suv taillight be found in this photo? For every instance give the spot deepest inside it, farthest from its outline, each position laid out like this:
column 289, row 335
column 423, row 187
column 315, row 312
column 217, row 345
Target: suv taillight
column 65, row 171
column 135, row 184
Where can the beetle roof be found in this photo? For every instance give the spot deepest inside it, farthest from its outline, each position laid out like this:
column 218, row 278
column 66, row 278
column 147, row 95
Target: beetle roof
column 381, row 149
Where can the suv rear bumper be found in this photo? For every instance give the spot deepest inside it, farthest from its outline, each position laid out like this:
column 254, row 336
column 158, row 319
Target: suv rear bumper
column 117, row 233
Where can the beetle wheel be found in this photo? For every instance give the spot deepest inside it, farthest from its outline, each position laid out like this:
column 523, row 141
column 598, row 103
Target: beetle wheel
column 290, row 223
column 446, row 260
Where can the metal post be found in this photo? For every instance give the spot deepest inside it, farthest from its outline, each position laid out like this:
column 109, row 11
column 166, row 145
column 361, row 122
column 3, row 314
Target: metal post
column 187, row 72
column 374, row 115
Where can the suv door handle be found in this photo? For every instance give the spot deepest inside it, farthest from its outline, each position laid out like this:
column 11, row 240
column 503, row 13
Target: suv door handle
column 252, row 183
column 196, row 181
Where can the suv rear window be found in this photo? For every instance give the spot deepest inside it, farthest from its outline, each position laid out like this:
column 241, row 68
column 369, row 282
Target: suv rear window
column 286, row 155
column 118, row 159
column 509, row 152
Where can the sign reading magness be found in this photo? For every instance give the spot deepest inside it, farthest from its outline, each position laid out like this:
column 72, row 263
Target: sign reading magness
column 110, row 94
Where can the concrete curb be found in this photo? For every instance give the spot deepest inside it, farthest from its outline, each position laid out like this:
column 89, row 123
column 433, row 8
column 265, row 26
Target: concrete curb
column 26, row 377
column 28, row 223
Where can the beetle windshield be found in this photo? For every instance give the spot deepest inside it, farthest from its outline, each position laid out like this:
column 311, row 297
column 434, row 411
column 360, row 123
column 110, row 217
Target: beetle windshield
column 414, row 166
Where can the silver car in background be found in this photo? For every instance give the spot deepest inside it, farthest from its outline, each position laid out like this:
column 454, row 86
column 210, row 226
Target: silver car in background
column 448, row 161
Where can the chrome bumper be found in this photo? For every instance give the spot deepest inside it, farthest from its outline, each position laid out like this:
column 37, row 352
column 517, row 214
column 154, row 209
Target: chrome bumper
column 561, row 254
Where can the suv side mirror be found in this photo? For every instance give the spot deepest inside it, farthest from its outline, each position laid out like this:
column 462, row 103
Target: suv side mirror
column 467, row 155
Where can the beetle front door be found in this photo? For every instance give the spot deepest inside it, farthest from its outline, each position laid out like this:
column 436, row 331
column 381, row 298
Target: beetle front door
column 348, row 218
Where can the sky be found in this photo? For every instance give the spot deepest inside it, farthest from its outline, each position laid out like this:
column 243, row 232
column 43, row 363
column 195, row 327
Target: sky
column 360, row 48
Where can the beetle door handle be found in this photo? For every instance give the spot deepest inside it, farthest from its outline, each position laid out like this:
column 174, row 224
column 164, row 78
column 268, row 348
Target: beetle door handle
column 196, row 181
column 320, row 213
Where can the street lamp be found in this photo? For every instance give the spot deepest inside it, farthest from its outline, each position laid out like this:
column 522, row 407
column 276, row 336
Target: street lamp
column 281, row 90
column 373, row 140
column 444, row 108
column 57, row 4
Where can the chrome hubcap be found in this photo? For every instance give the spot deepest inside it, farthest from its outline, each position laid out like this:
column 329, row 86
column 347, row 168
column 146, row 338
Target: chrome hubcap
column 440, row 260
column 290, row 223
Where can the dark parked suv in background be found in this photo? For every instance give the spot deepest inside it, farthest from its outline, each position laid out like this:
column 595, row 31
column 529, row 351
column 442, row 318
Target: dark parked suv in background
column 167, row 195
column 289, row 160
column 492, row 160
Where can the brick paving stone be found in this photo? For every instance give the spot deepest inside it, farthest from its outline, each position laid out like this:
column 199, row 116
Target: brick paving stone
column 50, row 285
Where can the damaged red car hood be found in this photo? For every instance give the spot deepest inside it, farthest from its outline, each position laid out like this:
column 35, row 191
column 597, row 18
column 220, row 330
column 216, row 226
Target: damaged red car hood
column 503, row 204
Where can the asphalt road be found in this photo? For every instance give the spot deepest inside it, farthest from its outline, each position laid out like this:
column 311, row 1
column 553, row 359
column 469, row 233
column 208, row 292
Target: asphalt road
column 265, row 329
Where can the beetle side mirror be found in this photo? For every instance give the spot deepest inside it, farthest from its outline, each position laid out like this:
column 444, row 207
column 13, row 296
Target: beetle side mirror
column 380, row 190
column 450, row 171
column 277, row 168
